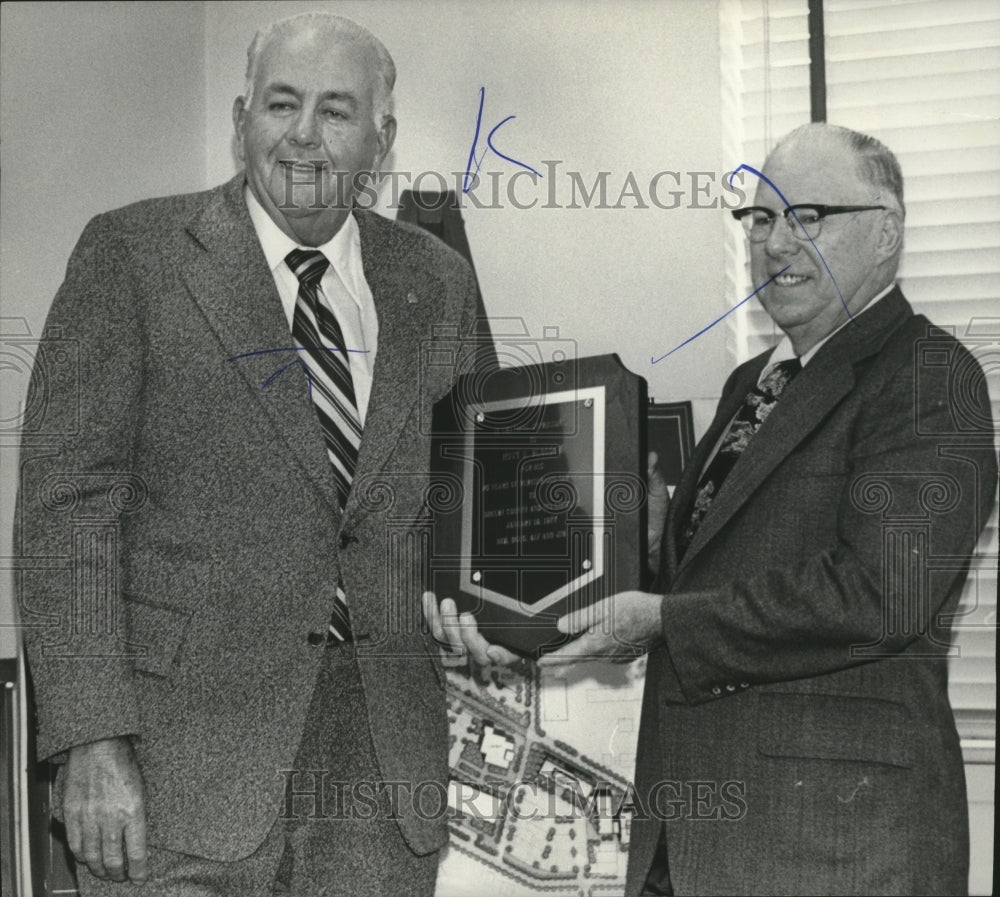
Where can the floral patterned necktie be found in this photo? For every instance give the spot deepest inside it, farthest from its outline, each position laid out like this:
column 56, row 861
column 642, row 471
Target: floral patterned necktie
column 757, row 405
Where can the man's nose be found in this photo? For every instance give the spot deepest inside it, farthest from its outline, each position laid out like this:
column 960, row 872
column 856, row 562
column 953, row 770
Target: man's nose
column 780, row 241
column 305, row 129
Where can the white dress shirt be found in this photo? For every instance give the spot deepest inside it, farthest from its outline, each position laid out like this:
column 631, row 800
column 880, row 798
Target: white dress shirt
column 343, row 290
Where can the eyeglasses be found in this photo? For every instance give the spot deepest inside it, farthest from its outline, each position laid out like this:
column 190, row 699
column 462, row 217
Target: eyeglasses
column 804, row 220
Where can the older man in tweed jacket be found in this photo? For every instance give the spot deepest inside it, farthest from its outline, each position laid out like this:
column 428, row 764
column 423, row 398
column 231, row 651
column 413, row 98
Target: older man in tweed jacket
column 215, row 738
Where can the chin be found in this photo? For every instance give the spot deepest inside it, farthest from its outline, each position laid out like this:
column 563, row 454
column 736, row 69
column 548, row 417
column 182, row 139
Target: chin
column 790, row 306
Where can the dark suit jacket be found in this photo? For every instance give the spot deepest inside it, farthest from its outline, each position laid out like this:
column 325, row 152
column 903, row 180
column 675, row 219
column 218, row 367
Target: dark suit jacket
column 199, row 514
column 797, row 718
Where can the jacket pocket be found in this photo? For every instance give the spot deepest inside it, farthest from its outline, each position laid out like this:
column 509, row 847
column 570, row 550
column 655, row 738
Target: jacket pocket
column 835, row 727
column 156, row 634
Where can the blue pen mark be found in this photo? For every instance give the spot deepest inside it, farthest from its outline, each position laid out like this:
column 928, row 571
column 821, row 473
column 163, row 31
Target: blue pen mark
column 291, row 349
column 282, row 370
column 470, row 175
column 296, row 361
column 774, row 187
column 723, row 315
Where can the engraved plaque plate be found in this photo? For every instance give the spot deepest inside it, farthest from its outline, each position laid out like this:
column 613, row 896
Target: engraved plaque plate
column 542, row 470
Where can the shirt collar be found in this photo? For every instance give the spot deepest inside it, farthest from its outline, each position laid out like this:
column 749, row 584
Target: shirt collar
column 343, row 250
column 783, row 351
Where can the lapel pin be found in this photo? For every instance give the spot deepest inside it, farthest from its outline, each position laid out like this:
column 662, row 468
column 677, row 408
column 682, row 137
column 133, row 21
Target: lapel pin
column 411, row 298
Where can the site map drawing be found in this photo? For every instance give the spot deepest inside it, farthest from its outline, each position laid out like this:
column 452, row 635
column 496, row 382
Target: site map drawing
column 541, row 769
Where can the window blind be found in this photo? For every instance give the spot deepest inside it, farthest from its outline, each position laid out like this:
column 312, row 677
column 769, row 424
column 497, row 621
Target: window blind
column 765, row 79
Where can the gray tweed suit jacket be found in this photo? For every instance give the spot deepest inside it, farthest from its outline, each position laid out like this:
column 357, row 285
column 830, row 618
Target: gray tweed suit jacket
column 191, row 516
column 796, row 732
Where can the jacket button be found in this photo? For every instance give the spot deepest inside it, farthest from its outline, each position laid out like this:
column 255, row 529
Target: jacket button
column 316, row 638
column 744, row 685
column 716, row 690
column 730, row 687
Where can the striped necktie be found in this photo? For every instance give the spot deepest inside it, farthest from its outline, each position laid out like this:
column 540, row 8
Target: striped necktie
column 756, row 407
column 331, row 388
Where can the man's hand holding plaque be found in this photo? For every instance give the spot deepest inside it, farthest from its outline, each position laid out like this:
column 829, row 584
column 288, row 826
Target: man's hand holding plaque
column 618, row 629
column 459, row 636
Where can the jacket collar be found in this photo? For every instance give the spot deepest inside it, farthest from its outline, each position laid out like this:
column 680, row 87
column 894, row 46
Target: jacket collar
column 229, row 279
column 805, row 403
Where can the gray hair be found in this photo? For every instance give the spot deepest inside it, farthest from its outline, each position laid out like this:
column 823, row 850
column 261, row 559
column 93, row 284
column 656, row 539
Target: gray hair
column 335, row 27
column 877, row 164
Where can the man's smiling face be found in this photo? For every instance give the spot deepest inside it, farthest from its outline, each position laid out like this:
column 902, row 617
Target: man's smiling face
column 310, row 122
column 805, row 301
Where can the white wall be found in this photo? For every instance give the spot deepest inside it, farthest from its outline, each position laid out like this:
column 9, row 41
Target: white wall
column 100, row 104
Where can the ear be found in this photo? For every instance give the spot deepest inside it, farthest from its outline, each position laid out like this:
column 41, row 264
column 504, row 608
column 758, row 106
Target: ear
column 386, row 136
column 890, row 237
column 239, row 125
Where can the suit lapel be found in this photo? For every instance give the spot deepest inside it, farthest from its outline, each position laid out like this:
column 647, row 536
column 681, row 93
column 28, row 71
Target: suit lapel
column 405, row 313
column 805, row 402
column 802, row 407
column 680, row 503
column 231, row 283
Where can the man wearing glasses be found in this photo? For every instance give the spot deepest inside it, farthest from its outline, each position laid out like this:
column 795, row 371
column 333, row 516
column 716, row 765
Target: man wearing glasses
column 796, row 733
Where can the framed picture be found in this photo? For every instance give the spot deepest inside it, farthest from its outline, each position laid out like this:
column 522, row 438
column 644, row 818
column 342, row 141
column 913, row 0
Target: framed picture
column 670, row 433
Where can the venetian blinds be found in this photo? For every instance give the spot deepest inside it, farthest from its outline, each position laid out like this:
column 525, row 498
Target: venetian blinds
column 765, row 94
column 924, row 77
